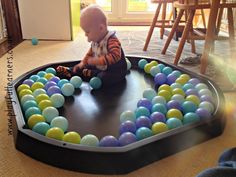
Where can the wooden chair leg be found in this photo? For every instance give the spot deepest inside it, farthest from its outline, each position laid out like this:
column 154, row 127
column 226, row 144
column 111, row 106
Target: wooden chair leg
column 219, row 18
column 203, row 18
column 231, row 26
column 152, row 27
column 193, row 48
column 163, row 17
column 172, row 32
column 184, row 36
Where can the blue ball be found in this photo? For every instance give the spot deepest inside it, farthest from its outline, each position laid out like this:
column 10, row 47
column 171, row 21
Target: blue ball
column 192, row 91
column 28, row 82
column 208, row 106
column 127, row 138
column 55, row 79
column 53, row 90
column 95, row 82
column 194, row 81
column 188, row 106
column 145, row 103
column 203, row 113
column 127, row 126
column 190, row 117
column 157, row 117
column 143, row 132
column 142, row 63
column 34, row 41
column 76, row 81
column 109, row 141
column 160, row 79
column 173, row 123
column 49, row 84
column 143, row 121
column 173, row 104
column 41, row 128
column 171, row 79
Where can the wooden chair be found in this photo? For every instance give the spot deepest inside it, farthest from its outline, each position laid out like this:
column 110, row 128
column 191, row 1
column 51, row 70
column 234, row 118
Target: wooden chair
column 189, row 34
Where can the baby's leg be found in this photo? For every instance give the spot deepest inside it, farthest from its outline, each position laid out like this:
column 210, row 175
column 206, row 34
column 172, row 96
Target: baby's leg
column 110, row 78
column 64, row 72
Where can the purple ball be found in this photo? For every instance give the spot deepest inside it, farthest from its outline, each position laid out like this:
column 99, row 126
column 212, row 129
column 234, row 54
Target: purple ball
column 203, row 113
column 191, row 92
column 143, row 121
column 127, row 138
column 49, row 84
column 157, row 117
column 145, row 103
column 206, row 98
column 160, row 79
column 171, row 78
column 28, row 82
column 127, row 126
column 53, row 89
column 55, row 79
column 109, row 141
column 173, row 104
column 194, row 81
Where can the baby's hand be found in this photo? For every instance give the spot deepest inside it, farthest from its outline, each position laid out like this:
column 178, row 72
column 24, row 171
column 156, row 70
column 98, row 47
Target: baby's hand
column 77, row 67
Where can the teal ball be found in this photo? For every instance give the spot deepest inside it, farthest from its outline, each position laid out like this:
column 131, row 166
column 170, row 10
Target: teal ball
column 32, row 110
column 51, row 70
column 142, row 63
column 28, row 104
column 143, row 132
column 95, row 82
column 41, row 128
column 173, row 123
column 67, row 89
column 191, row 117
column 34, row 41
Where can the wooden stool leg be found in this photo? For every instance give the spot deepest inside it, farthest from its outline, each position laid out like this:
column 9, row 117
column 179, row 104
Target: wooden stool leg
column 163, row 18
column 152, row 27
column 203, row 18
column 193, row 48
column 231, row 26
column 219, row 18
column 184, row 36
column 173, row 29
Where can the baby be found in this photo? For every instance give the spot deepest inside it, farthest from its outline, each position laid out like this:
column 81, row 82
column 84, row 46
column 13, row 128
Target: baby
column 105, row 58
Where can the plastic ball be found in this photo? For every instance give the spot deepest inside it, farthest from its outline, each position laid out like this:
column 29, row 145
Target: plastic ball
column 25, row 92
column 51, row 70
column 67, row 89
column 41, row 128
column 28, row 82
column 48, row 76
column 158, row 99
column 50, row 113
column 37, row 85
column 204, row 92
column 192, row 91
column 173, row 123
column 142, row 63
column 145, row 103
column 174, row 113
column 178, row 97
column 161, row 66
column 178, row 91
column 127, row 115
column 141, row 111
column 34, row 119
column 128, row 64
column 60, row 122
column 177, row 73
column 154, row 63
column 57, row 100
column 147, row 68
column 159, row 127
column 31, row 111
column 181, row 81
column 143, row 132
column 127, row 138
column 158, row 107
column 42, row 97
column 160, row 79
column 166, row 94
column 109, row 141
column 149, row 93
column 62, row 82
column 89, row 140
column 207, row 105
column 54, row 90
column 154, row 70
column 28, row 104
column 175, row 85
column 38, row 92
column 26, row 98
column 44, row 104
column 34, row 41
column 76, row 81
column 173, row 104
column 190, row 117
column 55, row 133
column 55, row 79
column 143, row 121
column 203, row 113
column 127, row 126
column 171, row 78
column 193, row 98
column 187, row 86
column 194, row 81
column 49, row 84
column 22, row 87
column 34, row 77
column 42, row 80
column 95, row 82
column 206, row 98
column 72, row 137
column 157, row 117
column 167, row 70
column 201, row 86
column 188, row 106
column 185, row 76
column 41, row 73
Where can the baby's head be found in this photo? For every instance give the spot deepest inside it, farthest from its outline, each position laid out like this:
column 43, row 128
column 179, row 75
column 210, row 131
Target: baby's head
column 94, row 23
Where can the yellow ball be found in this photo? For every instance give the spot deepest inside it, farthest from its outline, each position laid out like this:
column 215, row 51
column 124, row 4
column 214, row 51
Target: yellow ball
column 42, row 97
column 166, row 94
column 25, row 92
column 37, row 85
column 147, row 68
column 165, row 87
column 48, row 76
column 178, row 91
column 72, row 137
column 44, row 104
column 181, row 80
column 34, row 119
column 55, row 133
column 154, row 63
column 22, row 87
column 194, row 99
column 159, row 127
column 185, row 76
column 174, row 113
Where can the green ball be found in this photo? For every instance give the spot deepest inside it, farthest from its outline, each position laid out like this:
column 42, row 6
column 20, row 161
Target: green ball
column 50, row 113
column 44, row 104
column 174, row 113
column 89, row 140
column 159, row 127
column 95, row 82
column 34, row 119
column 37, row 85
column 41, row 128
column 57, row 100
column 60, row 122
column 55, row 133
column 72, row 137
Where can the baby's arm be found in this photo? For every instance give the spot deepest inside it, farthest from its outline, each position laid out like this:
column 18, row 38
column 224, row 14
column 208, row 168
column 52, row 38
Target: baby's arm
column 83, row 62
column 113, row 55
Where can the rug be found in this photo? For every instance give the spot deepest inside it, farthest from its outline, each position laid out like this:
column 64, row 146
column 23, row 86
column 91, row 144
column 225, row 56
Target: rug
column 133, row 42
